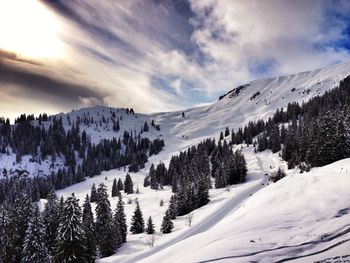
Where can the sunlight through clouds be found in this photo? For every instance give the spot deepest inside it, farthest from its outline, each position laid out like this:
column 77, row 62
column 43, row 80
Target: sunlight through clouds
column 29, row 29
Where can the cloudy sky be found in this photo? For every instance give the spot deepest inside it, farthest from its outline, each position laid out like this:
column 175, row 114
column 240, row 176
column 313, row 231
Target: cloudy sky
column 157, row 55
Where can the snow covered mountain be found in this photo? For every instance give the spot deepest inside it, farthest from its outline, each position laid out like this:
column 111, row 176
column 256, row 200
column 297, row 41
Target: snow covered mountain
column 303, row 217
column 98, row 122
column 257, row 99
column 298, row 218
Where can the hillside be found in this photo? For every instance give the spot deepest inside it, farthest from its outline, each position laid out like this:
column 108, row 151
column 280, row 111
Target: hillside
column 237, row 109
column 298, row 217
column 257, row 99
column 257, row 220
column 281, row 231
column 98, row 122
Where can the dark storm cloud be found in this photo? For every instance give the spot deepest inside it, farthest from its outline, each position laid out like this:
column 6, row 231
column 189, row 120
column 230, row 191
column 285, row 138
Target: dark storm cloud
column 33, row 85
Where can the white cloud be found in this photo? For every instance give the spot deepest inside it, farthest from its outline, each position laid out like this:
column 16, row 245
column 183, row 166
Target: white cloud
column 238, row 35
column 120, row 47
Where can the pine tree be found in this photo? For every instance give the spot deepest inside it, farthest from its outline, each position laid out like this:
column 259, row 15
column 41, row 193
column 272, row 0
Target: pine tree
column 183, row 204
column 283, row 133
column 291, row 143
column 220, row 178
column 241, row 166
column 70, row 235
column 34, row 246
column 146, row 181
column 342, row 136
column 172, row 207
column 150, row 227
column 128, row 185
column 262, row 142
column 324, row 149
column 105, row 228
column 153, row 177
column 275, row 140
column 18, row 223
column 215, row 161
column 145, row 127
column 120, row 220
column 88, row 225
column 4, row 237
column 93, row 194
column 115, row 190
column 120, row 185
column 227, row 132
column 202, row 193
column 51, row 216
column 167, row 224
column 137, row 223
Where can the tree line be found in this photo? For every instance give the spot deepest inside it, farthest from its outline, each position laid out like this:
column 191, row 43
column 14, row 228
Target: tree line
column 67, row 232
column 81, row 157
column 315, row 133
column 190, row 172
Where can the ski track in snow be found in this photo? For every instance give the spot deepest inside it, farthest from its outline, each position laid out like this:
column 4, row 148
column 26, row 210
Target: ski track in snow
column 229, row 207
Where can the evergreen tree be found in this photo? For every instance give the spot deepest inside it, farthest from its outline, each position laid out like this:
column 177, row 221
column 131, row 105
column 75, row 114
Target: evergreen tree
column 172, row 207
column 283, row 133
column 215, row 161
column 70, row 236
column 145, row 127
column 120, row 220
column 150, row 227
column 221, row 136
column 291, row 143
column 323, row 151
column 167, row 224
column 115, row 190
column 128, row 185
column 137, row 223
column 4, row 238
column 153, row 177
column 202, row 193
column 120, row 185
column 227, row 132
column 93, row 194
column 275, row 140
column 34, row 246
column 51, row 217
column 88, row 225
column 146, row 181
column 18, row 223
column 241, row 166
column 105, row 229
column 342, row 135
column 262, row 142
column 220, row 178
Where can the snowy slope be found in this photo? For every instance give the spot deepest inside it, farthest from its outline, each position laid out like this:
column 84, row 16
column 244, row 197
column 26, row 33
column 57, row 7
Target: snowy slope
column 301, row 215
column 100, row 127
column 223, row 202
column 249, row 219
column 233, row 110
column 236, row 110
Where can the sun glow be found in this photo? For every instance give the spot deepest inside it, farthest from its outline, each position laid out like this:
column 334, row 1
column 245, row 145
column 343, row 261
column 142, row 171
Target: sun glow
column 29, row 29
